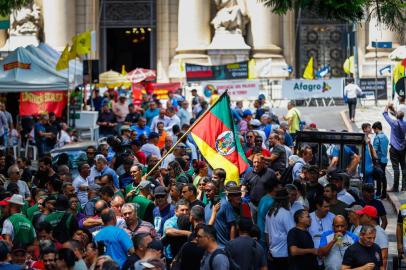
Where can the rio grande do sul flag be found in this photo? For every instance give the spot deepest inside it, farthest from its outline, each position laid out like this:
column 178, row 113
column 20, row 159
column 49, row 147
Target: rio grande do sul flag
column 218, row 141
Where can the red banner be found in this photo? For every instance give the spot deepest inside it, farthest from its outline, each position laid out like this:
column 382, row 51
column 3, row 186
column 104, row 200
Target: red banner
column 34, row 103
column 160, row 89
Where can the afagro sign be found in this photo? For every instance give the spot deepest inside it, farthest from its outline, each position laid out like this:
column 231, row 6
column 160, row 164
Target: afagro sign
column 303, row 89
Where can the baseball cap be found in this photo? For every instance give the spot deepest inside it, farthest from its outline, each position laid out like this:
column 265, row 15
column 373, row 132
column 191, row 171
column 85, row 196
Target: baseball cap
column 155, row 244
column 16, row 199
column 247, row 112
column 153, row 135
column 255, row 123
column 369, row 211
column 5, row 201
column 160, row 191
column 146, row 184
column 368, row 188
column 180, row 146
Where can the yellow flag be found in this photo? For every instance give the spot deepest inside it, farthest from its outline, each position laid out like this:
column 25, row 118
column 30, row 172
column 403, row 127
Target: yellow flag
column 181, row 65
column 123, row 71
column 398, row 72
column 83, row 43
column 309, row 72
column 348, row 66
column 63, row 61
column 72, row 52
column 252, row 72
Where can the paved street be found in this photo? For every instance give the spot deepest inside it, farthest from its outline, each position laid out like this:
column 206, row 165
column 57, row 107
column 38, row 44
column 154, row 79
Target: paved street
column 327, row 118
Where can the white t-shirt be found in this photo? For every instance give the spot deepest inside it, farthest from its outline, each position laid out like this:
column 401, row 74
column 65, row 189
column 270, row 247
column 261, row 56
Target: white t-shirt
column 22, row 188
column 277, row 228
column 352, row 90
column 82, row 195
column 63, row 139
column 318, row 226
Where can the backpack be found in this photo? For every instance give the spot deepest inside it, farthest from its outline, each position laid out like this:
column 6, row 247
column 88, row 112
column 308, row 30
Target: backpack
column 61, row 232
column 287, row 175
column 232, row 263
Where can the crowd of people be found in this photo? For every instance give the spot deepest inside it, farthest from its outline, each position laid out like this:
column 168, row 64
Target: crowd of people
column 120, row 209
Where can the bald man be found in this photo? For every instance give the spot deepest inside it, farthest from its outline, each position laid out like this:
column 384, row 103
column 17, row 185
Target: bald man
column 334, row 243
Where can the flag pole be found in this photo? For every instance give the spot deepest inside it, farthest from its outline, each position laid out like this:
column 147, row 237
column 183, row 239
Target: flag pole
column 185, row 134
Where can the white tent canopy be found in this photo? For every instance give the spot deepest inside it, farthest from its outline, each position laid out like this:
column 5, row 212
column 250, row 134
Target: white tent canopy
column 21, row 71
column 75, row 71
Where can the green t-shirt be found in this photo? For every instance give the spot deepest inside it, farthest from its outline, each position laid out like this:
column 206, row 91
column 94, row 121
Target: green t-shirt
column 24, row 233
column 32, row 211
column 143, row 204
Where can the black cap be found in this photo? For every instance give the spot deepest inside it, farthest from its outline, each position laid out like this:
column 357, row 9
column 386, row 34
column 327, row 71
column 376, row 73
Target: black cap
column 153, row 135
column 156, row 245
column 368, row 187
column 62, row 203
column 160, row 190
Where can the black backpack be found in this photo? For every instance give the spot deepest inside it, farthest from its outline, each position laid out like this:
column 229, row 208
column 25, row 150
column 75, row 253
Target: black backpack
column 287, row 175
column 232, row 263
column 61, row 231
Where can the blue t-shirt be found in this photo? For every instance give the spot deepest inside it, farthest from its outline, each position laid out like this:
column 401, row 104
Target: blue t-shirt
column 170, row 223
column 224, row 219
column 9, row 266
column 38, row 127
column 263, row 207
column 117, row 243
column 150, row 114
column 160, row 217
column 108, row 170
column 141, row 131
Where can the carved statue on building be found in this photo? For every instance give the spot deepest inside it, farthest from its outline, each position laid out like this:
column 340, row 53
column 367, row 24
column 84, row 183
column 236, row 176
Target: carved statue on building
column 25, row 21
column 231, row 16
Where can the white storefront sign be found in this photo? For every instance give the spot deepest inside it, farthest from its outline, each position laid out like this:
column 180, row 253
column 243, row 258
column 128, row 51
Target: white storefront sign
column 303, row 89
column 237, row 89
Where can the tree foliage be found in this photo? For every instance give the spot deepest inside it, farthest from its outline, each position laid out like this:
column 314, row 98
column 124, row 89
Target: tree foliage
column 392, row 13
column 6, row 6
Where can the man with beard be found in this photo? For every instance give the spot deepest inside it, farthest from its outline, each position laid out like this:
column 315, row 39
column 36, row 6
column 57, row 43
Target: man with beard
column 302, row 253
column 45, row 173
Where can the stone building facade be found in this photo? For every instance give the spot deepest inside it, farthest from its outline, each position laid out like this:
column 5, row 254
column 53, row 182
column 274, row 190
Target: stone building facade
column 170, row 33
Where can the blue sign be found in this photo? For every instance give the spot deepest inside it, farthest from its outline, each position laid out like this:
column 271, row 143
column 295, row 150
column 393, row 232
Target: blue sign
column 382, row 44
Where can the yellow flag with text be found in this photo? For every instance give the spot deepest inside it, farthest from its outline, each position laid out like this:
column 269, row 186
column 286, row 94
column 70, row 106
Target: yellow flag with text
column 309, row 72
column 63, row 61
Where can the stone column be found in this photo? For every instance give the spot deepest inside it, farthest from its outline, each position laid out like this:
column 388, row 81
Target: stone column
column 59, row 22
column 265, row 27
column 193, row 25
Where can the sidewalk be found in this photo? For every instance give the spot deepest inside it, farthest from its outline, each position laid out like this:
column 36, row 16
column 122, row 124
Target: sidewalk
column 370, row 115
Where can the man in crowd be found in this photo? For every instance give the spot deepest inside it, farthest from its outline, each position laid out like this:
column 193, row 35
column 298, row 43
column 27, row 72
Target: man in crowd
column 214, row 257
column 364, row 254
column 302, row 251
column 115, row 240
column 368, row 217
column 255, row 180
column 321, row 220
column 335, row 242
column 337, row 207
column 368, row 198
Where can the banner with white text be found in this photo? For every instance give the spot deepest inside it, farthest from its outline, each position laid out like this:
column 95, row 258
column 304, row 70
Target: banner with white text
column 237, row 89
column 304, row 89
